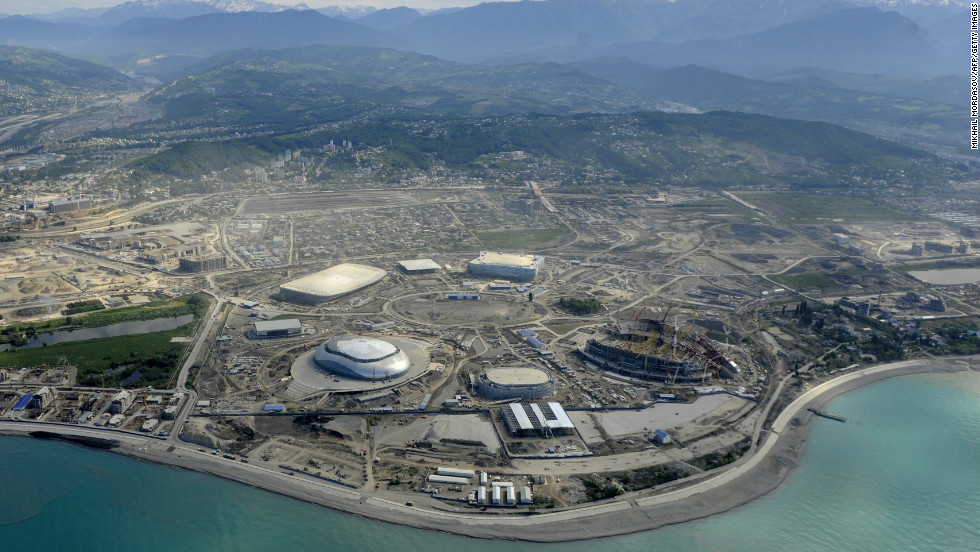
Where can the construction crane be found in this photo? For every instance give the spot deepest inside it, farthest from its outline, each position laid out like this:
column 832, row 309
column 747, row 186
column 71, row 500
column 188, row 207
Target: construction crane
column 633, row 330
column 663, row 322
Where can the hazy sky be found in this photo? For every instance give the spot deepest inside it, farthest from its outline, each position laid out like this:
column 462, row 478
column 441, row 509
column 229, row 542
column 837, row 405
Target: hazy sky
column 48, row 6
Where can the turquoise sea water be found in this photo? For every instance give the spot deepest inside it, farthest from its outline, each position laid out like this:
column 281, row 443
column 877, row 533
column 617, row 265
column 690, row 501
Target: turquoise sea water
column 902, row 475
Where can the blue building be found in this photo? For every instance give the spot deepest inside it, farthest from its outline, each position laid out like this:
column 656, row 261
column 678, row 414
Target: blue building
column 661, row 437
column 535, row 342
column 22, row 403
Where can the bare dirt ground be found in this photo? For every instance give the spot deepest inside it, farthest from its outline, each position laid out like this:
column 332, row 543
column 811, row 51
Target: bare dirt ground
column 470, row 427
column 663, row 415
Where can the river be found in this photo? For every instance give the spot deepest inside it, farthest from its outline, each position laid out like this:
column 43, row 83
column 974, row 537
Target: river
column 113, row 330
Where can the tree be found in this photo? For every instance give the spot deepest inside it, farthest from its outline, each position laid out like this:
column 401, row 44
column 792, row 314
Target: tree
column 579, row 306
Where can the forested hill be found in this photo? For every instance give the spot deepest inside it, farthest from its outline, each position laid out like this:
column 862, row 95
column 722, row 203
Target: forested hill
column 292, row 87
column 35, row 80
column 718, row 148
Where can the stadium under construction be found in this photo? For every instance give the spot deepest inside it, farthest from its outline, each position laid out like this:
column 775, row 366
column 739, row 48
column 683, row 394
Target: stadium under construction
column 650, row 349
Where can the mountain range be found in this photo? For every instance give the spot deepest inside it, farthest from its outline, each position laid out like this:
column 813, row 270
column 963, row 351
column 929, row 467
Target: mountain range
column 290, row 86
column 923, row 111
column 728, row 35
column 171, row 9
column 891, row 69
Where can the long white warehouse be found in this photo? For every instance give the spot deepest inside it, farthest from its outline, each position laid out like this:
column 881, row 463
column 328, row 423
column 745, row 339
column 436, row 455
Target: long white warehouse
column 456, row 472
column 448, row 479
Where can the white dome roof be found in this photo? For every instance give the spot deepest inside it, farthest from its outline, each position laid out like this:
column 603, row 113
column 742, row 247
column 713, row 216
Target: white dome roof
column 362, row 349
column 362, row 357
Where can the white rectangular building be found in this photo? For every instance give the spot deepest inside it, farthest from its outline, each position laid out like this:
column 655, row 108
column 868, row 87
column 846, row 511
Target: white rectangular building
column 277, row 328
column 419, row 266
column 434, row 478
column 456, row 472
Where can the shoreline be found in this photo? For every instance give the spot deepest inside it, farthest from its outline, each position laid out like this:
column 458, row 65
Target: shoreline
column 747, row 479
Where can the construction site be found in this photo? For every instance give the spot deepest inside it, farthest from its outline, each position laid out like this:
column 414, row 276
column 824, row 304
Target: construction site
column 650, row 349
column 404, row 333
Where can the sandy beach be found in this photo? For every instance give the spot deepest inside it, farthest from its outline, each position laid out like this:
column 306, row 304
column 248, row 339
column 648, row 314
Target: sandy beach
column 747, row 479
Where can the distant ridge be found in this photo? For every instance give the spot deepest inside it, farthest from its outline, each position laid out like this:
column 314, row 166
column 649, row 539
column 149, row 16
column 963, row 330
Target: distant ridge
column 18, row 30
column 213, row 33
column 388, row 19
column 860, row 40
column 170, row 9
column 895, row 111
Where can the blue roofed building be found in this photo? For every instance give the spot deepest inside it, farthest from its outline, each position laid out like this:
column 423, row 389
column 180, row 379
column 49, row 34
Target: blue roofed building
column 22, row 403
column 535, row 342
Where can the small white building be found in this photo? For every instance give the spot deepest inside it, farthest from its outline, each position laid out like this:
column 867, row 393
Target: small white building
column 121, row 402
column 42, row 398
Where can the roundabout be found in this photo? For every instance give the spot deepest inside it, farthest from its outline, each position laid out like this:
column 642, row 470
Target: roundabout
column 490, row 308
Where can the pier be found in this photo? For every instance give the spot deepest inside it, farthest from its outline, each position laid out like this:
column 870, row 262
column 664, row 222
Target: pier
column 830, row 415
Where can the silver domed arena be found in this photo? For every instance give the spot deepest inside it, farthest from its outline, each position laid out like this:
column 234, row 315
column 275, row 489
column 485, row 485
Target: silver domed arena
column 367, row 358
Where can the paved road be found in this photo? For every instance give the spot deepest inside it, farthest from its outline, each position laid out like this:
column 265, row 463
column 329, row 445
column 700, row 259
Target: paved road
column 202, row 344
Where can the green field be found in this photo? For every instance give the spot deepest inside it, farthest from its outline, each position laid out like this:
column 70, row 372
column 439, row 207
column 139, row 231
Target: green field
column 727, row 262
column 522, row 238
column 151, row 353
column 803, row 208
column 807, row 280
column 193, row 304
